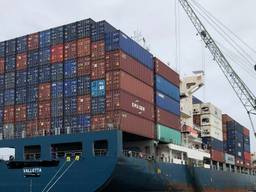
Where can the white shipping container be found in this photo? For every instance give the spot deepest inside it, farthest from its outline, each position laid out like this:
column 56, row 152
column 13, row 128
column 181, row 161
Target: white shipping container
column 229, row 159
column 196, row 109
column 210, row 131
column 208, row 108
column 210, row 120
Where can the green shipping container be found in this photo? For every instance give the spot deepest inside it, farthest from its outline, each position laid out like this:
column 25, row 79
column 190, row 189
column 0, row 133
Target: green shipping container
column 168, row 135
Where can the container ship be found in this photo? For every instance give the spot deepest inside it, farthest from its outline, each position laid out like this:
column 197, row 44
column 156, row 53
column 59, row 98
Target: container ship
column 83, row 107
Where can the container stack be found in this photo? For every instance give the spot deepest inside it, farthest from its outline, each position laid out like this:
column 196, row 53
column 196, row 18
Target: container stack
column 209, row 119
column 85, row 76
column 237, row 141
column 167, row 103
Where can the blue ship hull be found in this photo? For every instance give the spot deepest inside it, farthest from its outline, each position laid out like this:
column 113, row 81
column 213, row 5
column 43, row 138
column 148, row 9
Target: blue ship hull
column 112, row 172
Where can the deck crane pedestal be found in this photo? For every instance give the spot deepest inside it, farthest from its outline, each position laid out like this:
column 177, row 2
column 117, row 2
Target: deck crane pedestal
column 244, row 94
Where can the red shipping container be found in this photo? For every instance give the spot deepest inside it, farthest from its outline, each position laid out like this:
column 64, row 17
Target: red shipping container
column 217, row 155
column 247, row 156
column 44, row 109
column 70, row 50
column 166, row 72
column 130, row 123
column 31, row 128
column 98, row 69
column 246, row 132
column 83, row 47
column 44, row 91
column 98, row 50
column 1, row 65
column 116, row 60
column 98, row 122
column 83, row 66
column 168, row 119
column 121, row 100
column 124, row 81
column 57, row 53
column 9, row 113
column 20, row 113
column 21, row 61
column 33, row 41
column 83, row 104
column 44, row 126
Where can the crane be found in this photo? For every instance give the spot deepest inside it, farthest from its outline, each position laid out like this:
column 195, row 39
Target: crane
column 244, row 94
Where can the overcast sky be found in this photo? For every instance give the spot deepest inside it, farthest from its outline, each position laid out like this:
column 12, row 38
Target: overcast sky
column 155, row 20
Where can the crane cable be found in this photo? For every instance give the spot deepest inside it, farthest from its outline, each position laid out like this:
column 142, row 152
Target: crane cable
column 177, row 36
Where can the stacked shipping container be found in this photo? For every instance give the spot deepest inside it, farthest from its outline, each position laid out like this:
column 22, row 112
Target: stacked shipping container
column 236, row 141
column 81, row 76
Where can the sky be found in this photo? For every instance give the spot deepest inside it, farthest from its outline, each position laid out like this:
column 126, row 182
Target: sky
column 156, row 21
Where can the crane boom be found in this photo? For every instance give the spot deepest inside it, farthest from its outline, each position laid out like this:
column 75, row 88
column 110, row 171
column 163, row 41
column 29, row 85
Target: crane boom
column 245, row 95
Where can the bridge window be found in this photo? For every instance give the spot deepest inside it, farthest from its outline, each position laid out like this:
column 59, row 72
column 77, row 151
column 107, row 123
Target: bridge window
column 67, row 150
column 100, row 148
column 32, row 152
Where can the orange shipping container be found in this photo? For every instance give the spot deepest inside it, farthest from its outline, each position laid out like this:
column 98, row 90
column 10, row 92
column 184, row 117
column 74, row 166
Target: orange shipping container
column 84, row 47
column 116, row 60
column 247, row 156
column 118, row 99
column 9, row 113
column 31, row 128
column 168, row 119
column 44, row 91
column 98, row 122
column 124, row 81
column 217, row 155
column 83, row 66
column 83, row 104
column 98, row 69
column 33, row 41
column 44, row 109
column 57, row 53
column 21, row 61
column 70, row 50
column 20, row 113
column 98, row 50
column 1, row 65
column 130, row 123
column 44, row 126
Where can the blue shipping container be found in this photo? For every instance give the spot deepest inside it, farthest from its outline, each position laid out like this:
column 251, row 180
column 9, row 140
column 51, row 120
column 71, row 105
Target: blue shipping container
column 44, row 56
column 213, row 143
column 19, row 129
column 118, row 40
column 1, row 82
column 45, row 38
column 2, row 49
column 57, row 71
column 247, row 147
column 10, row 47
column 21, row 95
column 57, row 107
column 10, row 62
column 167, row 103
column 57, row 89
column 32, row 94
column 21, row 44
column 9, row 97
column 44, row 73
column 70, row 32
column 70, row 106
column 33, row 59
column 31, row 111
column 70, row 87
column 32, row 76
column 98, row 105
column 70, row 68
column 9, row 80
column 83, row 85
column 21, row 78
column 84, row 28
column 1, row 115
column 98, row 88
column 83, row 122
column 57, row 35
column 57, row 125
column 98, row 30
column 1, row 98
column 167, row 88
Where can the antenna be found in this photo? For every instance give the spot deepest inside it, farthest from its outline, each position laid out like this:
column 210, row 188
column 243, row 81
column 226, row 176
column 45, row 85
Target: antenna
column 140, row 39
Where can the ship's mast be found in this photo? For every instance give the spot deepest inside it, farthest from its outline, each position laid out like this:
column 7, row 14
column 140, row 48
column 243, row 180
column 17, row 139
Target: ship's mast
column 244, row 94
